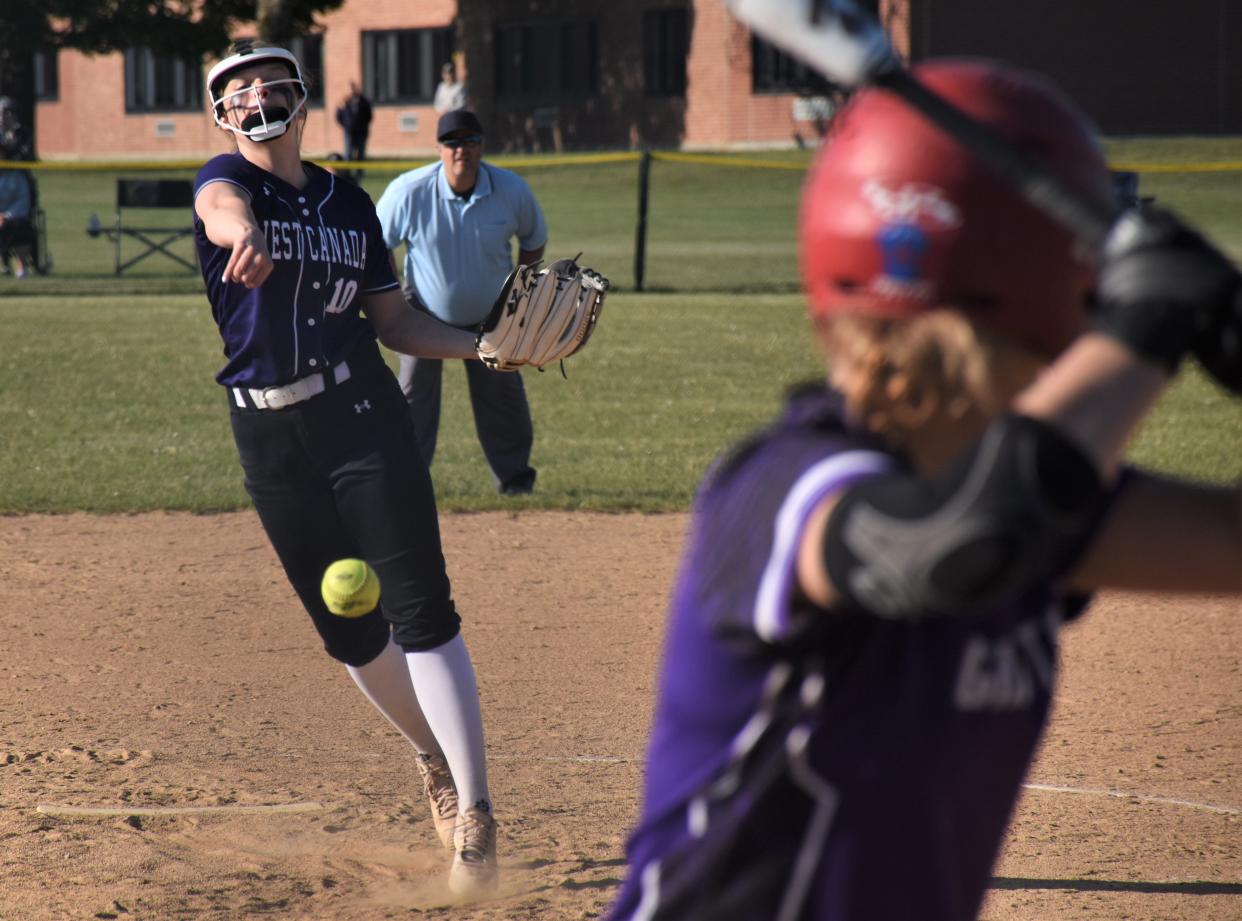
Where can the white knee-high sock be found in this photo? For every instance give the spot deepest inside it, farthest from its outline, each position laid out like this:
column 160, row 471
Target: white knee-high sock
column 445, row 684
column 386, row 683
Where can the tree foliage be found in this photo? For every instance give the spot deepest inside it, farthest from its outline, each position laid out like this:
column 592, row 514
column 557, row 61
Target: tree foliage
column 188, row 28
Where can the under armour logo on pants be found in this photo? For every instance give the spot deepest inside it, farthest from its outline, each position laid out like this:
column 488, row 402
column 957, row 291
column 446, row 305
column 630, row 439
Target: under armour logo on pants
column 359, row 407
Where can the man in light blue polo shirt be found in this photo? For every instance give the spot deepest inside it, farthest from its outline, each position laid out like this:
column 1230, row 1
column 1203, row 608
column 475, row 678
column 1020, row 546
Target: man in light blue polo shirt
column 457, row 219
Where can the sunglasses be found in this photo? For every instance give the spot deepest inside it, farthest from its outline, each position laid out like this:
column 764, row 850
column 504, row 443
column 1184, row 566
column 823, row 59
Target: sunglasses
column 472, row 140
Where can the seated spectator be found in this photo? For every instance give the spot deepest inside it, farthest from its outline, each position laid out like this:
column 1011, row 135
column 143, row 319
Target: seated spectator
column 16, row 205
column 16, row 228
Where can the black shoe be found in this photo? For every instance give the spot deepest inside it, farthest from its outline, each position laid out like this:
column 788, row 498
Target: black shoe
column 521, row 485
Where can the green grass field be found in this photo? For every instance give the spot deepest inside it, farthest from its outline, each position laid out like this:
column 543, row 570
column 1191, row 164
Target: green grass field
column 107, row 401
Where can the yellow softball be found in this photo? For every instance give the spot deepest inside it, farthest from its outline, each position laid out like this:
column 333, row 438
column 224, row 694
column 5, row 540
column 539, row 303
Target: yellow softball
column 350, row 588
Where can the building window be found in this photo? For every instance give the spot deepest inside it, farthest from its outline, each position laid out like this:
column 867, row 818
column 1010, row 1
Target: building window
column 160, row 83
column 665, row 49
column 404, row 66
column 46, row 76
column 549, row 57
column 773, row 71
column 308, row 49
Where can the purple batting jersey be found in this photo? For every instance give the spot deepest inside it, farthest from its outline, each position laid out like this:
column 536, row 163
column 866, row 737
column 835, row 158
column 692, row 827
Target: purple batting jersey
column 327, row 250
column 807, row 765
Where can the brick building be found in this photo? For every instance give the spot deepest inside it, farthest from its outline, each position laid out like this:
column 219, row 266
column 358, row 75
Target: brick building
column 595, row 74
column 543, row 74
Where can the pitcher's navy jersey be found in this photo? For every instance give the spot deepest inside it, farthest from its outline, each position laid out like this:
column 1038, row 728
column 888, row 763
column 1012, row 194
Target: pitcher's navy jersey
column 327, row 251
column 913, row 752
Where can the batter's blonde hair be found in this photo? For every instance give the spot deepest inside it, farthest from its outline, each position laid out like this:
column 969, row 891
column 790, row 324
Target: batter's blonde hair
column 900, row 376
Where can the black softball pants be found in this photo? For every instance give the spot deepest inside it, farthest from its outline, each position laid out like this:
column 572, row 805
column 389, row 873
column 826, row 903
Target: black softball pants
column 340, row 475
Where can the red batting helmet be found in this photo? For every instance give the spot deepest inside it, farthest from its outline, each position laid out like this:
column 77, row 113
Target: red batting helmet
column 898, row 218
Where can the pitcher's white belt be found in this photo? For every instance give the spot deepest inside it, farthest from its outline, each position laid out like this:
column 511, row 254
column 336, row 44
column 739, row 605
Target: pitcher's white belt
column 288, row 394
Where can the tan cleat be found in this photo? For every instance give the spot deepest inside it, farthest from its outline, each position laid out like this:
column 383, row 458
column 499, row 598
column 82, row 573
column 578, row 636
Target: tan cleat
column 441, row 794
column 474, row 871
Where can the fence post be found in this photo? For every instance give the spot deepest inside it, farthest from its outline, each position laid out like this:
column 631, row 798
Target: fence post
column 640, row 242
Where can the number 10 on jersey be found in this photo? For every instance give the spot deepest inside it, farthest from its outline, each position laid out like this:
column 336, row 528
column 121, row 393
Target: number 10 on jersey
column 343, row 296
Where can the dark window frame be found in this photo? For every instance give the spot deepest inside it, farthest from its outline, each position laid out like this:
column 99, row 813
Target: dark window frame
column 557, row 57
column 157, row 83
column 666, row 48
column 47, row 75
column 402, row 66
column 773, row 72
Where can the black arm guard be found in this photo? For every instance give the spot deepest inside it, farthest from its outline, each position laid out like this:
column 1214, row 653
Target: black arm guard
column 1001, row 519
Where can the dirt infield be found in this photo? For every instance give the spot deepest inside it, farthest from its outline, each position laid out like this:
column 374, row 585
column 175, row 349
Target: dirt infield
column 157, row 667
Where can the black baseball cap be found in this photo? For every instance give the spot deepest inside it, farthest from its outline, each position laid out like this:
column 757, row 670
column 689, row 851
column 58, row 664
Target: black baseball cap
column 458, row 120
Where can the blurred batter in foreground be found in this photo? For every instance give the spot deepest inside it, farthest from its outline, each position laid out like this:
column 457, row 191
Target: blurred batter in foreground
column 862, row 645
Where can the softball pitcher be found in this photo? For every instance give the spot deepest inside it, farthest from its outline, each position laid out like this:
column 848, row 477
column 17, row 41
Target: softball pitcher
column 301, row 286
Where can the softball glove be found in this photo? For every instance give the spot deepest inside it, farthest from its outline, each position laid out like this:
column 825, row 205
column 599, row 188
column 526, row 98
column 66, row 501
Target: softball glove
column 541, row 316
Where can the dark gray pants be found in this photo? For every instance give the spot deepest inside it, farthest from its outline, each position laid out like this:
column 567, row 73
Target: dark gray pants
column 501, row 416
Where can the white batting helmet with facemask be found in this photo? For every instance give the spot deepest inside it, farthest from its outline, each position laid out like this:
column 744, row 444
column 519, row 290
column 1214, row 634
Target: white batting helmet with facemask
column 271, row 117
